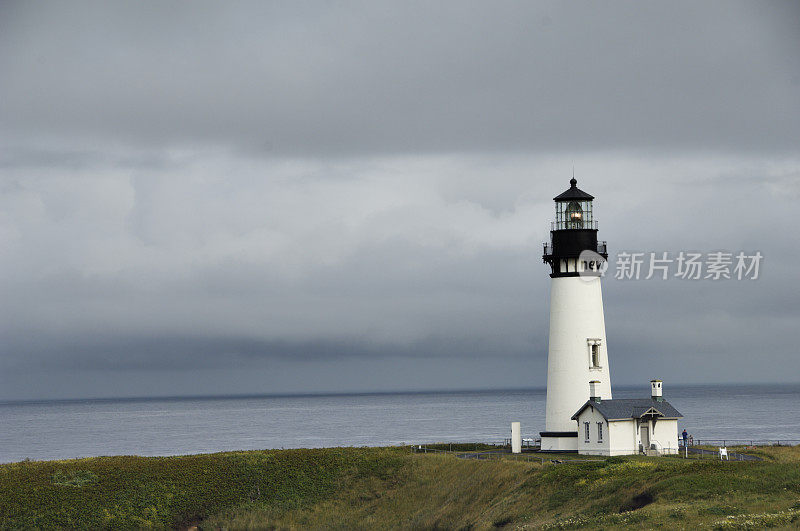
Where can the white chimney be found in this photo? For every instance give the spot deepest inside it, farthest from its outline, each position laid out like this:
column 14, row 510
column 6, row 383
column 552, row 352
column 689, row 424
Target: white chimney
column 655, row 390
column 593, row 391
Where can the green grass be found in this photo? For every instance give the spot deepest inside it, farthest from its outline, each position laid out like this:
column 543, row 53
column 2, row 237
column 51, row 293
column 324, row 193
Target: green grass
column 139, row 492
column 386, row 488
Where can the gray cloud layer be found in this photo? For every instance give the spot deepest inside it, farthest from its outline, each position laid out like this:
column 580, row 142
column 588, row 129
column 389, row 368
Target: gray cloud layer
column 312, row 78
column 305, row 197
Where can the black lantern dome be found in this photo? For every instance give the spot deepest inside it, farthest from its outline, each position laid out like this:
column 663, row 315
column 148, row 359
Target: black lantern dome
column 573, row 231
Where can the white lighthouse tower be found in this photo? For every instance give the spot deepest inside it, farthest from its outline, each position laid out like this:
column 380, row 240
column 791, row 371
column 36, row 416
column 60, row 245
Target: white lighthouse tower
column 577, row 351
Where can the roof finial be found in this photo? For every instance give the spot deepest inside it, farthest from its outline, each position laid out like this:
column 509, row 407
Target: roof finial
column 573, row 182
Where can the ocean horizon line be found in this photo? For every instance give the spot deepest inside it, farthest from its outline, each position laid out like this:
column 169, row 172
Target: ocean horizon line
column 240, row 396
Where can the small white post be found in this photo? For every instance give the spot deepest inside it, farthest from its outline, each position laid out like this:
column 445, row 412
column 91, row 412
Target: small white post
column 516, row 438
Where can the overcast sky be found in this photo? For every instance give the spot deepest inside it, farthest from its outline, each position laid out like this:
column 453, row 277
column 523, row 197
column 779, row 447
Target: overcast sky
column 216, row 198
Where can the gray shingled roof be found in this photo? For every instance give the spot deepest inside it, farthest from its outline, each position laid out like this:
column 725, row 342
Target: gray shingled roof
column 626, row 408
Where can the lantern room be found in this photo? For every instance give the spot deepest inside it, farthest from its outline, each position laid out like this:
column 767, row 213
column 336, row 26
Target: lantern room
column 573, row 232
column 574, row 209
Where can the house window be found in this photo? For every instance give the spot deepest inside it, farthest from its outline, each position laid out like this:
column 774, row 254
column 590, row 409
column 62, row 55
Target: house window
column 594, row 353
column 586, row 430
column 599, row 432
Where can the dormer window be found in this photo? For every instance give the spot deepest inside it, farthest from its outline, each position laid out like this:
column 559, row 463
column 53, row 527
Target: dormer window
column 594, row 352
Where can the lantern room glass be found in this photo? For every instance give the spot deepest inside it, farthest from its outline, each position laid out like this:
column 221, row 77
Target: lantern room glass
column 573, row 214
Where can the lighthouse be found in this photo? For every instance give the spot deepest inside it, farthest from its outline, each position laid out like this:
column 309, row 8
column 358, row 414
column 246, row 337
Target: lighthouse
column 577, row 352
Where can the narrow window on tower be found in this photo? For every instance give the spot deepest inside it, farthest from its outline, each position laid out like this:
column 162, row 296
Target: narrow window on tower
column 586, row 430
column 599, row 432
column 594, row 353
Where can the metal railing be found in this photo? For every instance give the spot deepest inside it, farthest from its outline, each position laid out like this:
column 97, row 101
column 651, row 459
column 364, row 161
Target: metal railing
column 744, row 442
column 602, row 248
column 544, row 458
column 567, row 225
column 504, row 453
column 532, row 446
column 531, row 443
column 704, row 453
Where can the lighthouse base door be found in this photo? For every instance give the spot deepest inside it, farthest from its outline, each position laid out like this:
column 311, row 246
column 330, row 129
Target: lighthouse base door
column 645, row 437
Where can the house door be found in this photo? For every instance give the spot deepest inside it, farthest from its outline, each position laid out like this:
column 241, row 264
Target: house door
column 645, row 437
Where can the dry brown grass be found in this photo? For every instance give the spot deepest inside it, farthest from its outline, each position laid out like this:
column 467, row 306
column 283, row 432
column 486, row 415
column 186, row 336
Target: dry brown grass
column 432, row 491
column 443, row 492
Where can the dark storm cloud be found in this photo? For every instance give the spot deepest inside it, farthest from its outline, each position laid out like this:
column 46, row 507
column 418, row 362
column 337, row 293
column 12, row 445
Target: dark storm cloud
column 312, row 78
column 306, row 196
column 175, row 353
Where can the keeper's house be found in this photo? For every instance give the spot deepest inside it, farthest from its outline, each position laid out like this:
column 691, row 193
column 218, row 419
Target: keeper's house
column 627, row 426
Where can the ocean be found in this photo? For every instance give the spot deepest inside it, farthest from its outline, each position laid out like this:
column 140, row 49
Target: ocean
column 174, row 426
